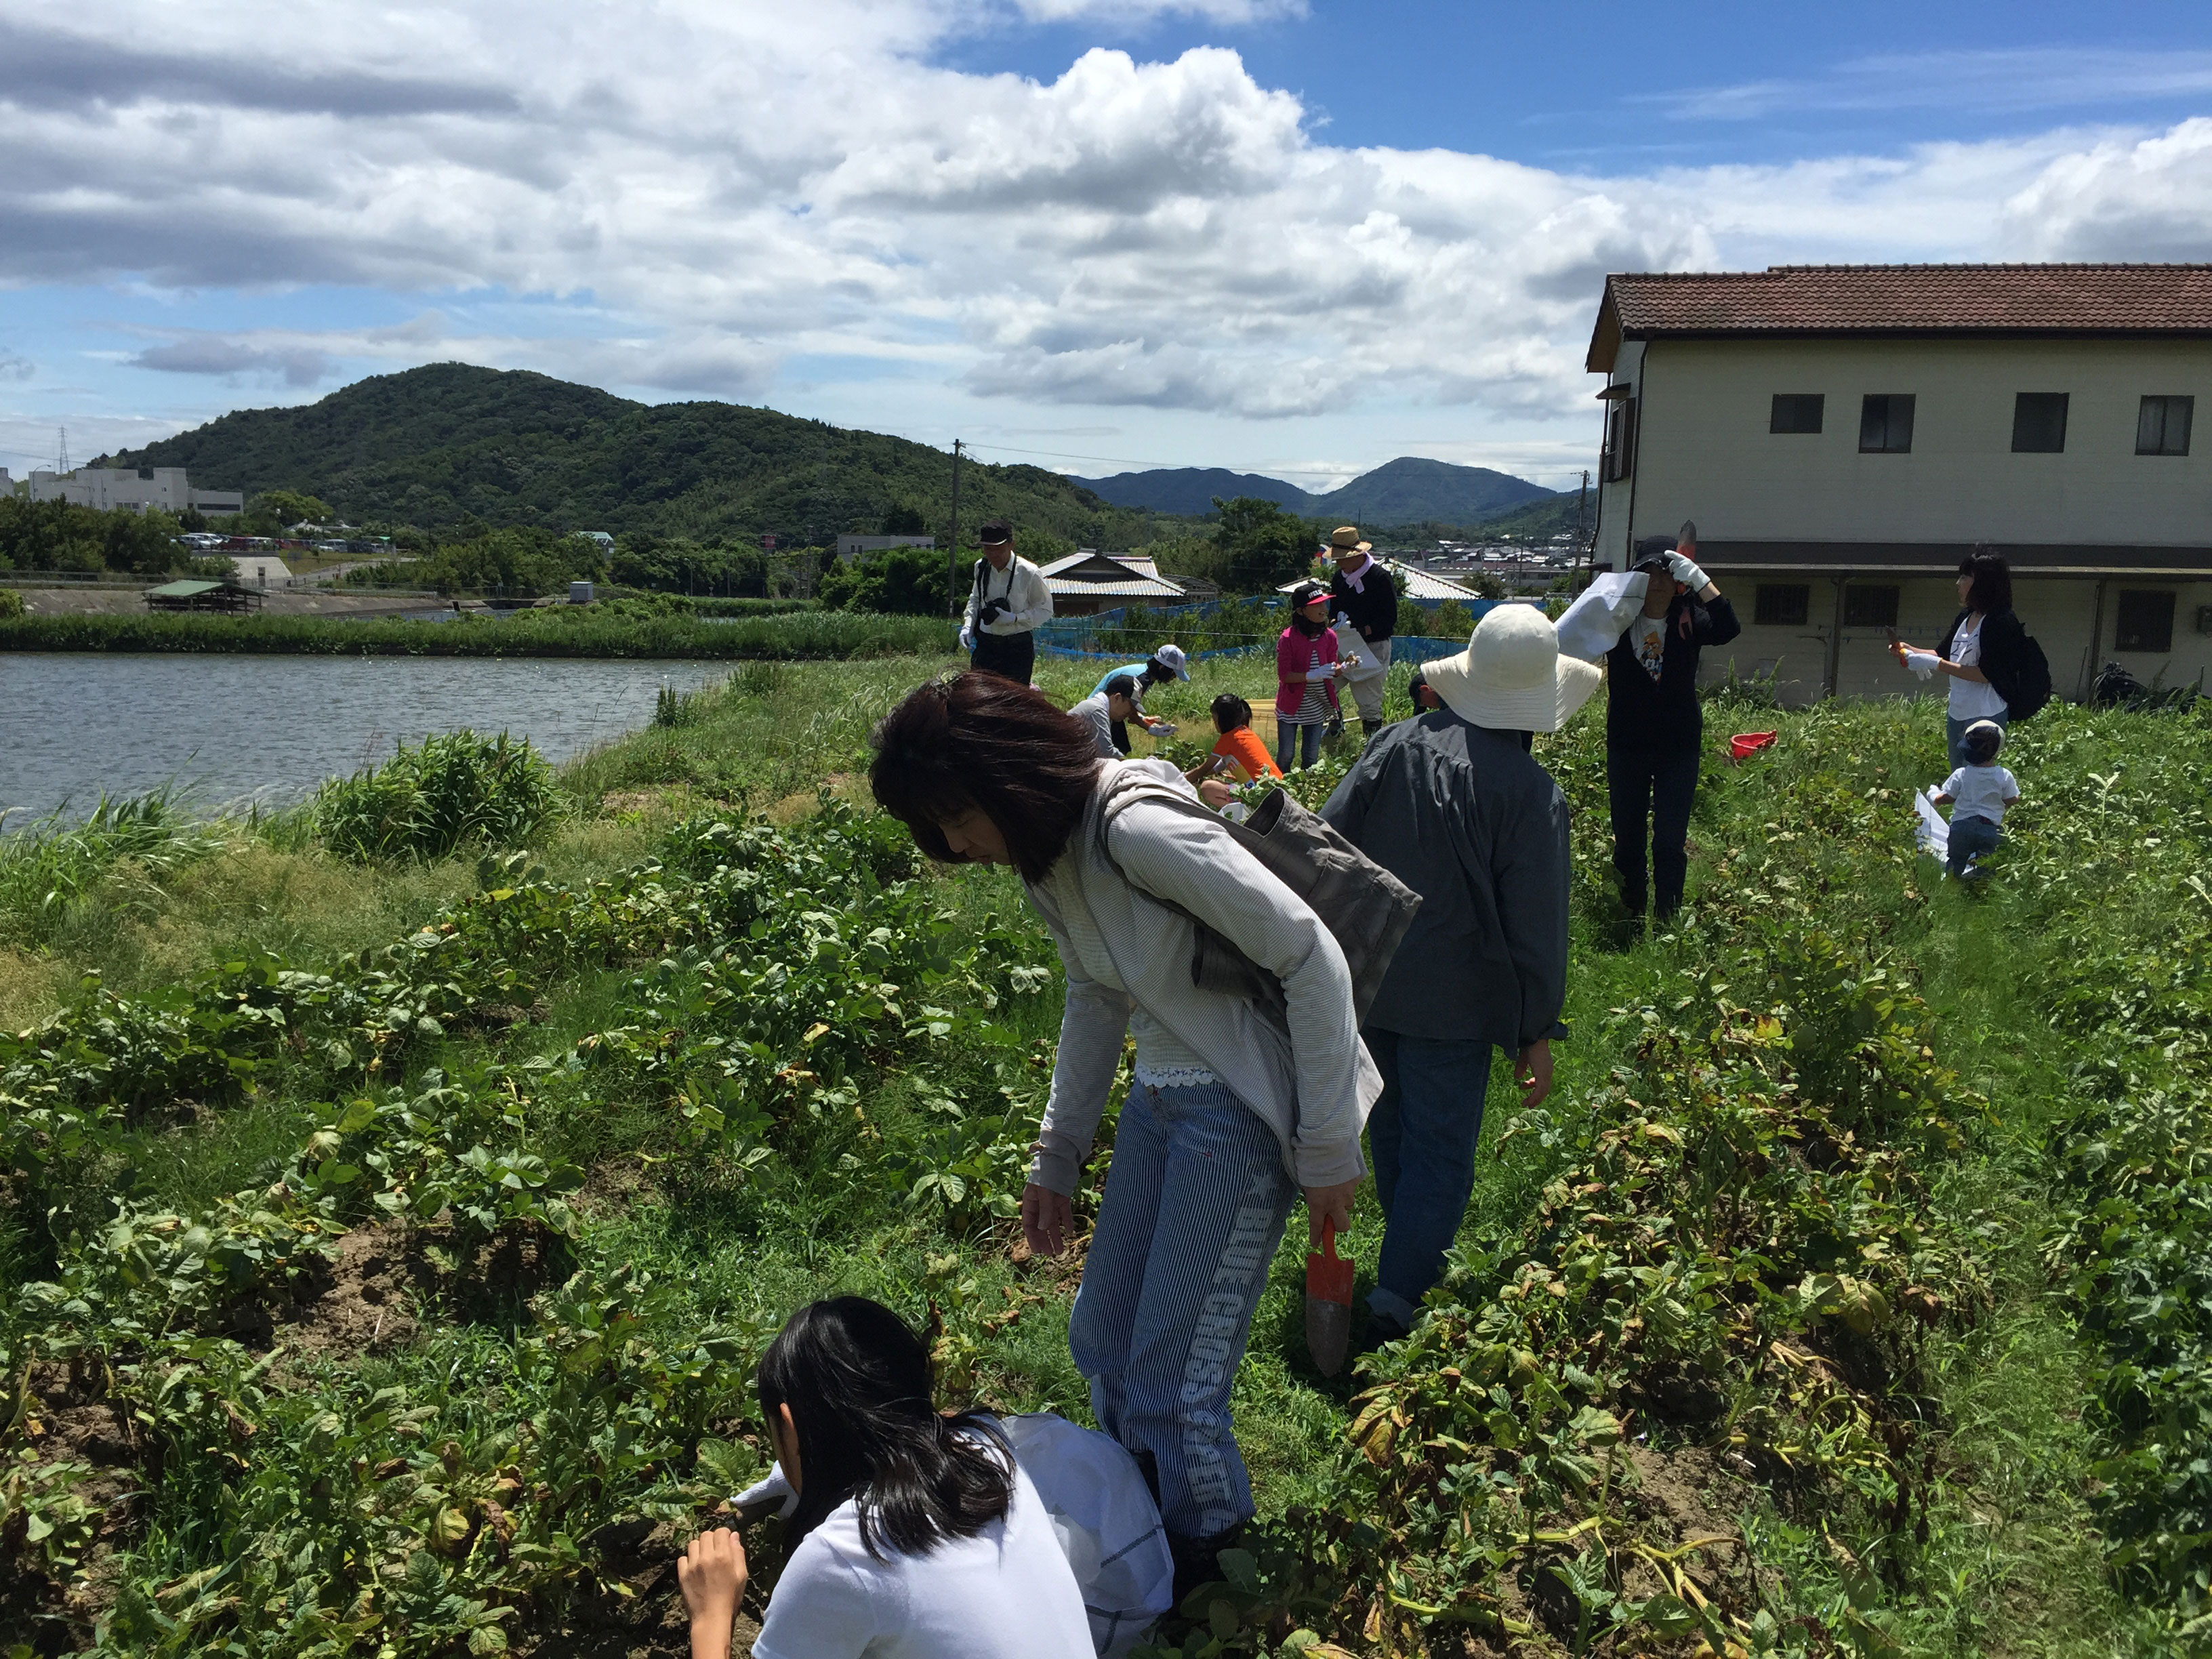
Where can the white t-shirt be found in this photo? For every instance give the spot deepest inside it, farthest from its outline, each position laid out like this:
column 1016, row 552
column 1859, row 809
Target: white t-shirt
column 1980, row 792
column 1647, row 636
column 1971, row 699
column 1007, row 1593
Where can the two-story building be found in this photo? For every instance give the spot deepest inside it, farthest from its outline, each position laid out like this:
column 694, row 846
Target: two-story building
column 137, row 488
column 1842, row 436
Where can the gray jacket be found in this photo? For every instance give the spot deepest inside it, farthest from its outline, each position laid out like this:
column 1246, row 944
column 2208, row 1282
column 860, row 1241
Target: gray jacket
column 1314, row 1083
column 1091, row 711
column 1464, row 818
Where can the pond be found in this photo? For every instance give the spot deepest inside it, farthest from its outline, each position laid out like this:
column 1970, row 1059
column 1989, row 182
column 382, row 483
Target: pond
column 229, row 728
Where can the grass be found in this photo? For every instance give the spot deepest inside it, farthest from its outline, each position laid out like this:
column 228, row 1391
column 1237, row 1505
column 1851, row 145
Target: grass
column 799, row 635
column 2012, row 1561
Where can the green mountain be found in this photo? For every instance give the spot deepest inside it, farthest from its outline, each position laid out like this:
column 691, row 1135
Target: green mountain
column 1405, row 492
column 436, row 446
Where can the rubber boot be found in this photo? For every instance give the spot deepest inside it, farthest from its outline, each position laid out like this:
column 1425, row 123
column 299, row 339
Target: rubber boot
column 1197, row 1560
column 1367, row 731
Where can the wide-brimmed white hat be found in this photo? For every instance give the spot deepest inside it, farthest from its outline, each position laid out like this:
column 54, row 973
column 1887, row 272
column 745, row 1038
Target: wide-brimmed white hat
column 1511, row 676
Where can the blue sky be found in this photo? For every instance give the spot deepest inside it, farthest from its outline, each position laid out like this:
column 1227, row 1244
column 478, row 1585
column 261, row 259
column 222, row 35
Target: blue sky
column 1296, row 239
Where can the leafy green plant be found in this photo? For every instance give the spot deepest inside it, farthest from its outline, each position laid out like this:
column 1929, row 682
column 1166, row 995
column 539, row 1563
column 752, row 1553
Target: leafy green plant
column 448, row 791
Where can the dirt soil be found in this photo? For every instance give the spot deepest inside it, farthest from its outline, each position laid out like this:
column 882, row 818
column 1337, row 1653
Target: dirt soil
column 362, row 1307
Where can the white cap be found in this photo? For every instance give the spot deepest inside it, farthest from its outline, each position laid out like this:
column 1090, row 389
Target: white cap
column 1511, row 676
column 1170, row 656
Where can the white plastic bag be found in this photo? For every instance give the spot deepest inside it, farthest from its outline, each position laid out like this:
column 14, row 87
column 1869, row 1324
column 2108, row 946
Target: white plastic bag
column 1931, row 832
column 1106, row 1520
column 1590, row 626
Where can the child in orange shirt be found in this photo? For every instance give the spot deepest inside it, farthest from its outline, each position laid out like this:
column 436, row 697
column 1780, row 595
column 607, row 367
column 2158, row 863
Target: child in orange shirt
column 1238, row 752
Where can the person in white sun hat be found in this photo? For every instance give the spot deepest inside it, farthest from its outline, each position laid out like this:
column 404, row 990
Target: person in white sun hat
column 1451, row 803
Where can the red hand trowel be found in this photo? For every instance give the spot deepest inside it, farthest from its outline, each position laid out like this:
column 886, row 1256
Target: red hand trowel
column 1329, row 1303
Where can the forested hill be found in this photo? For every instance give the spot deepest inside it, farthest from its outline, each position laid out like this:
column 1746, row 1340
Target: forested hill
column 1410, row 490
column 436, row 444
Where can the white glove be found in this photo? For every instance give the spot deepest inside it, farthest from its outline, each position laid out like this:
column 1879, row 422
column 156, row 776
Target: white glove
column 967, row 641
column 1687, row 573
column 1922, row 663
column 1163, row 728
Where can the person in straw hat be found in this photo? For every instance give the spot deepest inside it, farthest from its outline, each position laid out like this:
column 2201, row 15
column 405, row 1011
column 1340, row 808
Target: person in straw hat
column 1451, row 803
column 1362, row 593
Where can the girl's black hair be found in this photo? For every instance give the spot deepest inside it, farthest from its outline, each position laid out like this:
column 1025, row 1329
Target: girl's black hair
column 977, row 740
column 1230, row 711
column 1311, row 628
column 1992, row 580
column 858, row 1383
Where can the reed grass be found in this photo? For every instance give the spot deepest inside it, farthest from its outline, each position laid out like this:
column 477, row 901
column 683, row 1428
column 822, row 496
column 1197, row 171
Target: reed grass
column 794, row 635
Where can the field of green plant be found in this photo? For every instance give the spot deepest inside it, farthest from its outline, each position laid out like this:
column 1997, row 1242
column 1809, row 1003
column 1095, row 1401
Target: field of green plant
column 391, row 1215
column 593, row 631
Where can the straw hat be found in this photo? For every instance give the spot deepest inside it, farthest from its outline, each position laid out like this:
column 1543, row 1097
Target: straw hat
column 1345, row 535
column 1511, row 676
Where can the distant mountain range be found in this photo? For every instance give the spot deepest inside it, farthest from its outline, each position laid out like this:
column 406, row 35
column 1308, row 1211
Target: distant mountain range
column 1406, row 491
column 437, row 446
column 446, row 444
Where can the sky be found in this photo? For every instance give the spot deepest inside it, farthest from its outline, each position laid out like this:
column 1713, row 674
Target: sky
column 1296, row 237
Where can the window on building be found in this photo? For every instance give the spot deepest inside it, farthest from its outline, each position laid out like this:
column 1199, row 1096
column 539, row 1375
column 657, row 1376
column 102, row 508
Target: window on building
column 1798, row 411
column 1870, row 607
column 1783, row 604
column 2039, row 423
column 1886, row 423
column 2146, row 621
column 2162, row 426
column 1620, row 439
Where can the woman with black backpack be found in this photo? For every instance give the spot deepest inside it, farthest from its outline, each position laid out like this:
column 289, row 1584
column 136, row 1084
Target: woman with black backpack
column 1997, row 672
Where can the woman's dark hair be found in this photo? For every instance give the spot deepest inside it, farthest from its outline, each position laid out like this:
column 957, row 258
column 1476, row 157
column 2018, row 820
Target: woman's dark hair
column 977, row 740
column 1230, row 711
column 1992, row 580
column 858, row 1383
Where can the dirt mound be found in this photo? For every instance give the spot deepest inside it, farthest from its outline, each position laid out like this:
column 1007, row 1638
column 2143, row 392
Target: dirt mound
column 362, row 1304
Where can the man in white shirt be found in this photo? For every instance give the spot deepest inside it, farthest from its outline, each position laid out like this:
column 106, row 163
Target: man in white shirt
column 1112, row 705
column 1007, row 601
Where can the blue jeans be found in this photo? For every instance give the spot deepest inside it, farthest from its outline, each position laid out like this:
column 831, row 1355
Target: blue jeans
column 1422, row 1135
column 1971, row 837
column 1286, row 741
column 1195, row 1201
column 1954, row 732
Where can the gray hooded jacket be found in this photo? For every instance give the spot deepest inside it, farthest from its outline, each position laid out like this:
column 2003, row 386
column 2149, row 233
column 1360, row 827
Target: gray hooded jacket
column 1314, row 1083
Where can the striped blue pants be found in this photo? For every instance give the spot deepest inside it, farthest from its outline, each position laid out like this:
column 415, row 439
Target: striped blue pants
column 1195, row 1205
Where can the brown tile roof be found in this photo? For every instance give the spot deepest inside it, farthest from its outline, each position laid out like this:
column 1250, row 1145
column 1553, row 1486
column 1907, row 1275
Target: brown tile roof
column 1903, row 299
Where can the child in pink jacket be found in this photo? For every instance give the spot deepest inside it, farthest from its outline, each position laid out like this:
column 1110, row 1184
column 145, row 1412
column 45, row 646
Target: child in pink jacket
column 1306, row 670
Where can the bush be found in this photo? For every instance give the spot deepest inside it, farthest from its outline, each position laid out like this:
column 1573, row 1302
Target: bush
column 426, row 802
column 899, row 581
column 11, row 603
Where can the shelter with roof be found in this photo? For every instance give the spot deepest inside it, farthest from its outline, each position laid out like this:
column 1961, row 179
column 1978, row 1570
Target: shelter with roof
column 1842, row 436
column 227, row 595
column 1088, row 581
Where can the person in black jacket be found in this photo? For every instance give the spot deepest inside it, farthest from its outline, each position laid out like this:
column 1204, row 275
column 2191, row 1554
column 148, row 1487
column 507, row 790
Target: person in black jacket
column 1983, row 649
column 1654, row 725
column 1364, row 594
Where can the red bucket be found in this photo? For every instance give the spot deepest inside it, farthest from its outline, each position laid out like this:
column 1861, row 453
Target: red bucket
column 1745, row 744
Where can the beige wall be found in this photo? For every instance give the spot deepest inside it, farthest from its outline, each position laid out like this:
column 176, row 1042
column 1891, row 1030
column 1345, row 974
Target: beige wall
column 2058, row 611
column 1705, row 451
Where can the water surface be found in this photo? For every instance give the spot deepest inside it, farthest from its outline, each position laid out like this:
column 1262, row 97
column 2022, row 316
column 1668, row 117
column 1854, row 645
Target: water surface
column 271, row 728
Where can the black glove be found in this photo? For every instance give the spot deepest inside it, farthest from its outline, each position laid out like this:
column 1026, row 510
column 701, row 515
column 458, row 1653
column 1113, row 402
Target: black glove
column 991, row 610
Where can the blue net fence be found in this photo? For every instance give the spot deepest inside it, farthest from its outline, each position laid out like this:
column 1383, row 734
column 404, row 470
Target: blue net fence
column 1218, row 628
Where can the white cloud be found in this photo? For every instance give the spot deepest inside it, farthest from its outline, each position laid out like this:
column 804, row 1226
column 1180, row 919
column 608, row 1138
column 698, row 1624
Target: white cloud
column 737, row 193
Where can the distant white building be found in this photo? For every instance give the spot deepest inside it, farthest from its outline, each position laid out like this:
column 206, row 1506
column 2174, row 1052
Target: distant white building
column 850, row 548
column 103, row 489
column 598, row 538
column 7, row 484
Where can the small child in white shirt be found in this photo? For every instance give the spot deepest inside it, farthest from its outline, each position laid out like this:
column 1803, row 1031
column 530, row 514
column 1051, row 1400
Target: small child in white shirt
column 1977, row 794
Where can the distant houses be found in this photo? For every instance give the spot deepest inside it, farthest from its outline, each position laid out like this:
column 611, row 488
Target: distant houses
column 1842, row 436
column 105, row 489
column 1088, row 581
column 850, row 548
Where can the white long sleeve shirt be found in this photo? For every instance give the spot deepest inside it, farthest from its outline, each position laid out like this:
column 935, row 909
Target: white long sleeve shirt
column 1021, row 585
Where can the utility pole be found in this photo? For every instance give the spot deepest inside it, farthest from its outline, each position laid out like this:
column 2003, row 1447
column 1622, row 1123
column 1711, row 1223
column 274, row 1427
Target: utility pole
column 952, row 552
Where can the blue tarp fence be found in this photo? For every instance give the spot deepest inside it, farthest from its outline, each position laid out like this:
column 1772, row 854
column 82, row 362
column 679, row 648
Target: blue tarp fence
column 1074, row 638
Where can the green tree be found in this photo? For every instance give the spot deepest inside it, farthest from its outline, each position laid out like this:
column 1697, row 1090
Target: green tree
column 904, row 519
column 292, row 507
column 904, row 581
column 1260, row 546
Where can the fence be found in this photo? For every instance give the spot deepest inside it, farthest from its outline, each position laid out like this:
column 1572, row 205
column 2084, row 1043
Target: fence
column 1076, row 638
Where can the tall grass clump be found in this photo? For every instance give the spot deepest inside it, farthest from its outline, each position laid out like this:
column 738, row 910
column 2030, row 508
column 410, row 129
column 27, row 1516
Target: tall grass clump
column 46, row 867
column 450, row 791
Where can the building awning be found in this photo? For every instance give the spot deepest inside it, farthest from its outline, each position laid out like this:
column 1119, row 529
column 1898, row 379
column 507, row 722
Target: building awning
column 1942, row 558
column 184, row 590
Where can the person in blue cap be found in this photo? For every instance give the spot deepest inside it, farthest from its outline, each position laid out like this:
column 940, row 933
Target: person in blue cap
column 1165, row 665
